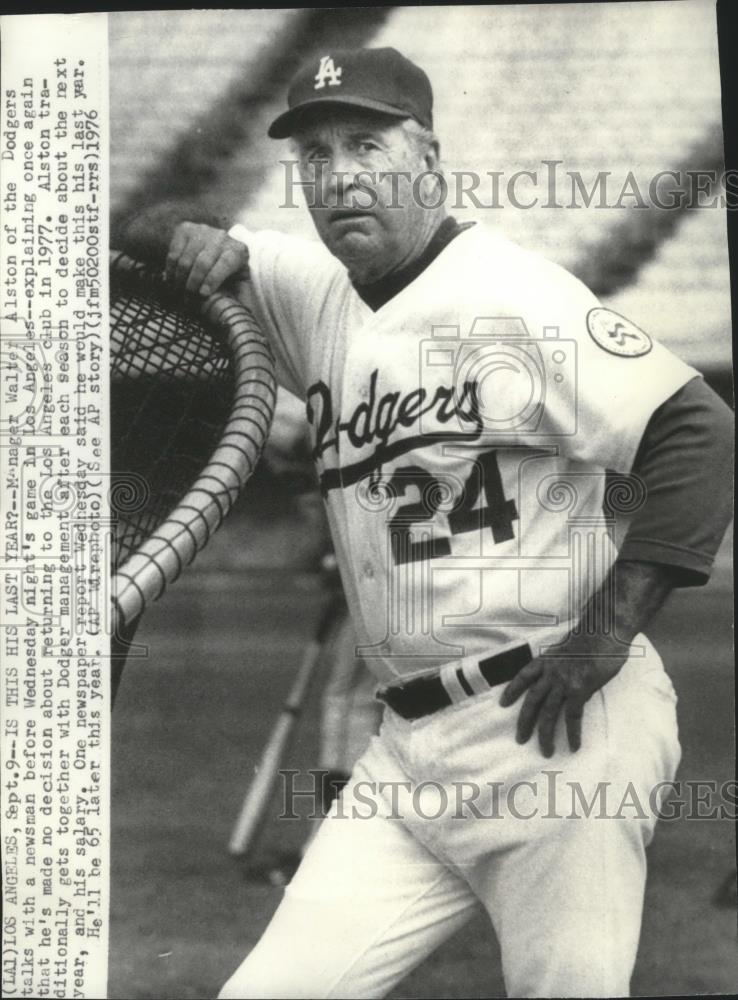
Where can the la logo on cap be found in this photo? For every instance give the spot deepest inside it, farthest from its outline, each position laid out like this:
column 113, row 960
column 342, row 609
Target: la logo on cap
column 327, row 71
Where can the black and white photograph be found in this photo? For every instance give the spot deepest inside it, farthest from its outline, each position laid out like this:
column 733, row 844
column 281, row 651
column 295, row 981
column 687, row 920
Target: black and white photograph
column 414, row 537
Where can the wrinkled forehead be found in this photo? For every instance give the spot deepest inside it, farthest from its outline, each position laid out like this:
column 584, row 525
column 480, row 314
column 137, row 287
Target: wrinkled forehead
column 334, row 123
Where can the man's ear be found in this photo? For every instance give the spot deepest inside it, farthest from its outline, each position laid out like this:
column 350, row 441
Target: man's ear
column 432, row 158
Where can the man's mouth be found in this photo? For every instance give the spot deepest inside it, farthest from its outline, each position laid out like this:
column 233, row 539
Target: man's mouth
column 348, row 214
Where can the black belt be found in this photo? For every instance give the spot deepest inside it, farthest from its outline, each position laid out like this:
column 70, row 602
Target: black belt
column 424, row 695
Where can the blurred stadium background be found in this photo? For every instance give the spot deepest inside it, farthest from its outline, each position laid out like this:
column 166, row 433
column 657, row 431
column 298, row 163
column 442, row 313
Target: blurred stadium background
column 614, row 87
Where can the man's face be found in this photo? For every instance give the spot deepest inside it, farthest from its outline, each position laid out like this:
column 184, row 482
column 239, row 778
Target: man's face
column 358, row 169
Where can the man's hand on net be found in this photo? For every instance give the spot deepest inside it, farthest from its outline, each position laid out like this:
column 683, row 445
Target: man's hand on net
column 201, row 258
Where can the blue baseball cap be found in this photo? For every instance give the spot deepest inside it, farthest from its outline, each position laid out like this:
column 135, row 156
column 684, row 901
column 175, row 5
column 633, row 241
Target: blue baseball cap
column 381, row 80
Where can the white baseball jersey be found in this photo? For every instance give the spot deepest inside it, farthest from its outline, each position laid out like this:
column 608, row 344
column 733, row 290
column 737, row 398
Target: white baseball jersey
column 461, row 433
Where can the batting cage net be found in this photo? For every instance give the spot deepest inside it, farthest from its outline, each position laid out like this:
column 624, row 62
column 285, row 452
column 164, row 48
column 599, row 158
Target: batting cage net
column 192, row 398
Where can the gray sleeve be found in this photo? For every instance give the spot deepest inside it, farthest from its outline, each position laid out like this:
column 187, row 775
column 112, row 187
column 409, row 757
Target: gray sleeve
column 685, row 461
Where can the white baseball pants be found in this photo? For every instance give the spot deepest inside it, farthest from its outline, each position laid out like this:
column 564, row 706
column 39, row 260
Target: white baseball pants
column 420, row 838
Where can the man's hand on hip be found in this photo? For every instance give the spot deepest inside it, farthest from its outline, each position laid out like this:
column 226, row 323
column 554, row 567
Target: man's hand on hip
column 561, row 683
column 587, row 660
column 200, row 258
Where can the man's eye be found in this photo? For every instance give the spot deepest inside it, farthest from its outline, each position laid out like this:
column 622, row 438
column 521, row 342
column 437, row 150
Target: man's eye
column 366, row 146
column 317, row 156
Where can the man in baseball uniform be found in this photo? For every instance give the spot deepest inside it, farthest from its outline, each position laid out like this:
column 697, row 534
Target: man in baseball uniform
column 471, row 406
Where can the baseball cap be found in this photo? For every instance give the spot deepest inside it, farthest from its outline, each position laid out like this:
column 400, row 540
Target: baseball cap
column 377, row 79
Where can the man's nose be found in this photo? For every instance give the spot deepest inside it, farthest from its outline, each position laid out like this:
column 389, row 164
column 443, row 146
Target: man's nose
column 343, row 170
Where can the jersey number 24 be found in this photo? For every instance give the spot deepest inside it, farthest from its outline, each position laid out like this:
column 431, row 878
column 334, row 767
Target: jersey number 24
column 498, row 514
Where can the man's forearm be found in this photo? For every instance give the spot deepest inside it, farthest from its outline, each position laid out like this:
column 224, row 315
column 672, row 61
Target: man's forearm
column 147, row 235
column 625, row 603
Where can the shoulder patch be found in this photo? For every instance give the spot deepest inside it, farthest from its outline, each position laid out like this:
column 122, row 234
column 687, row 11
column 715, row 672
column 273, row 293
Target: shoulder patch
column 616, row 334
